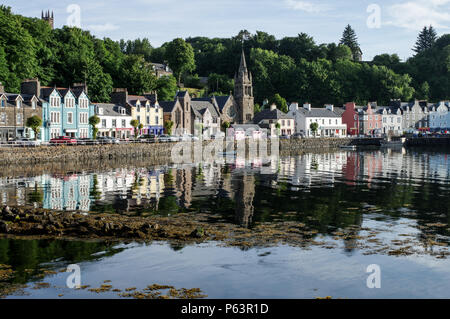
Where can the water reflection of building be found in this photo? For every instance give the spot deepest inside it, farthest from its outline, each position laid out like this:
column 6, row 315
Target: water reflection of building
column 70, row 192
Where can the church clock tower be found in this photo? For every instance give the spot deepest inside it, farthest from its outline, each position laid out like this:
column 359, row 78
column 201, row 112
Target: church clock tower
column 243, row 93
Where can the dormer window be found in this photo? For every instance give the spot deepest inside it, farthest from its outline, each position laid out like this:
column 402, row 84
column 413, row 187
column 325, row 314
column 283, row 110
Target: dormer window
column 19, row 103
column 70, row 102
column 33, row 105
column 54, row 101
column 83, row 103
column 122, row 111
column 3, row 103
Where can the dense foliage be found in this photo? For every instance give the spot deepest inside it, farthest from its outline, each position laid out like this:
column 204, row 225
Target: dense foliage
column 295, row 68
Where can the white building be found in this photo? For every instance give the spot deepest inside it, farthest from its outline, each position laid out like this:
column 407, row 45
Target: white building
column 330, row 122
column 439, row 117
column 206, row 118
column 114, row 121
column 391, row 119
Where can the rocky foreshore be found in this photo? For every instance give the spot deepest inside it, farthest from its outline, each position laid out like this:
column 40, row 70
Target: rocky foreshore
column 42, row 223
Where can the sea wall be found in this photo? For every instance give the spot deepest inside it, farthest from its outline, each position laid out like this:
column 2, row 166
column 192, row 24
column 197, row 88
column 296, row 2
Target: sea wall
column 157, row 154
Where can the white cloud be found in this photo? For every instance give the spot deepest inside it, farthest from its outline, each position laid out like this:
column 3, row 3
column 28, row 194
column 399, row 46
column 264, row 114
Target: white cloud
column 417, row 14
column 307, row 6
column 102, row 27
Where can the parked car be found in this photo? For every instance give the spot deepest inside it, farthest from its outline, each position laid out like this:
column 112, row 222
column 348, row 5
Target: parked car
column 164, row 138
column 151, row 138
column 26, row 142
column 63, row 140
column 108, row 140
column 298, row 135
column 87, row 141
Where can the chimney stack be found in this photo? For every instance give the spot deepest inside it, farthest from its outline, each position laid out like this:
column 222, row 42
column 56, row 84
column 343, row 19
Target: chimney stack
column 329, row 107
column 294, row 106
column 307, row 106
column 273, row 107
column 119, row 96
column 31, row 87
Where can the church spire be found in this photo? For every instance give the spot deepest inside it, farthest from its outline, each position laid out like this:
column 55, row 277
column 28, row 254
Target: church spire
column 243, row 66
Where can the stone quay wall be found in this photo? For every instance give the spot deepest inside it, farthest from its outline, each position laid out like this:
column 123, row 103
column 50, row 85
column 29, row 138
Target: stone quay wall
column 157, row 154
column 428, row 141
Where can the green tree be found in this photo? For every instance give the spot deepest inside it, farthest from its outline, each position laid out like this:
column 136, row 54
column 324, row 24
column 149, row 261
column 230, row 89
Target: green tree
column 135, row 125
column 4, row 72
column 220, row 83
column 314, row 127
column 94, row 120
column 137, row 75
column 280, row 102
column 35, row 123
column 180, row 56
column 426, row 39
column 166, row 86
column 225, row 125
column 168, row 125
column 350, row 39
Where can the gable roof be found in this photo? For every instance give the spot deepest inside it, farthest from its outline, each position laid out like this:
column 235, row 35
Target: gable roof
column 202, row 106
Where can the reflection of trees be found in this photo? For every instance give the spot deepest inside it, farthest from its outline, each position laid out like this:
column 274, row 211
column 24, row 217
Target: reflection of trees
column 95, row 192
column 23, row 255
column 36, row 196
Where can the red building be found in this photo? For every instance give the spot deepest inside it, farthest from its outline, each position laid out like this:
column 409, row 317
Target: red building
column 350, row 117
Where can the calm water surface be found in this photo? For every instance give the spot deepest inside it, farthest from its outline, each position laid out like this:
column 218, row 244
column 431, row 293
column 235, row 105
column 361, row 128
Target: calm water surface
column 402, row 196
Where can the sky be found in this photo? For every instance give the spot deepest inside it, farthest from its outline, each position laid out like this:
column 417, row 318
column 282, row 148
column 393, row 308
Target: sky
column 381, row 26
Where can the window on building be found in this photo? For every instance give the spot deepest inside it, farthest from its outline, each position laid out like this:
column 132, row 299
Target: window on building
column 248, row 117
column 3, row 103
column 138, row 119
column 55, row 117
column 124, row 123
column 33, row 105
column 84, row 118
column 148, row 119
column 3, row 118
column 156, row 120
column 103, row 122
column 19, row 103
column 114, row 123
column 70, row 118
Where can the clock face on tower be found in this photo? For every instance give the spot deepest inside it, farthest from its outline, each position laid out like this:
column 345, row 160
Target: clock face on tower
column 231, row 112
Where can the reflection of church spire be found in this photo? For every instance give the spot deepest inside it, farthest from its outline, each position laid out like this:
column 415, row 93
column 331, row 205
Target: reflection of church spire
column 244, row 200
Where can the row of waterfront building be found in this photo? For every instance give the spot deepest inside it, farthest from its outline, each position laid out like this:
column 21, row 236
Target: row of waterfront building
column 66, row 112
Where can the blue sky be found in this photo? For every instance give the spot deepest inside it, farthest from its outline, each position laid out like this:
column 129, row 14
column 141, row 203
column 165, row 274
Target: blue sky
column 164, row 20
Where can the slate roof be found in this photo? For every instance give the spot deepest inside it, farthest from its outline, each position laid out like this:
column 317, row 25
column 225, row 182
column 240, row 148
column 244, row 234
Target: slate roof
column 110, row 109
column 270, row 115
column 318, row 112
column 167, row 106
column 202, row 106
column 222, row 100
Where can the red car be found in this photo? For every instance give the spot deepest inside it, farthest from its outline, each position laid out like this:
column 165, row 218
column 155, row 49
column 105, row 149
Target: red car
column 63, row 140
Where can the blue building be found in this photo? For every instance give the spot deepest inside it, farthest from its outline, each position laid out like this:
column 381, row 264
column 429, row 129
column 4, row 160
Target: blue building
column 65, row 111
